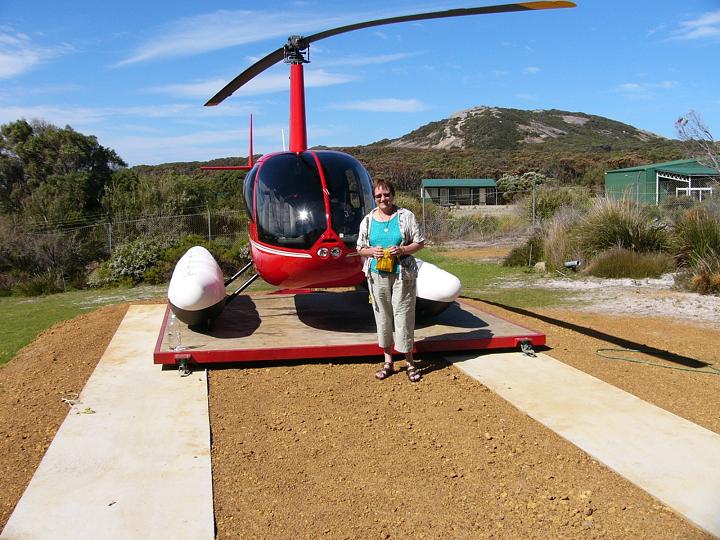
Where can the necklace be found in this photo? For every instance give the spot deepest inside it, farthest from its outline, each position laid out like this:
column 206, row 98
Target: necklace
column 386, row 221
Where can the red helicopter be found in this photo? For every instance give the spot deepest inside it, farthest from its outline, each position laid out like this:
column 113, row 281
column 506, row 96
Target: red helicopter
column 305, row 206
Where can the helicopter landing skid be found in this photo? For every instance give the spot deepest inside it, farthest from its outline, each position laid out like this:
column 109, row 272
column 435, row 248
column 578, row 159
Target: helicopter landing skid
column 315, row 325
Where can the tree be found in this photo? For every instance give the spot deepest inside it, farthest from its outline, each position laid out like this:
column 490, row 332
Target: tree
column 512, row 186
column 692, row 128
column 36, row 155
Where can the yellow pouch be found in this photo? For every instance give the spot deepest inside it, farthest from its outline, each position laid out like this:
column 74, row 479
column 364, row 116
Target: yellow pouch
column 386, row 263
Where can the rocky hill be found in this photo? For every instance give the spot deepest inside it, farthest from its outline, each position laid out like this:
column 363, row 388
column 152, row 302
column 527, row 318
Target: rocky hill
column 512, row 129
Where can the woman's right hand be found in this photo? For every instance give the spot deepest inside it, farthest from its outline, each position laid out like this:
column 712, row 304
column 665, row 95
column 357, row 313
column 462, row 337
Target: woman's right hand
column 377, row 252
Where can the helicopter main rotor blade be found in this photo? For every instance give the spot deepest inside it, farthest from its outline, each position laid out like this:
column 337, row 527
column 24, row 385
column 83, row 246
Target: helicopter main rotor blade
column 275, row 56
column 250, row 73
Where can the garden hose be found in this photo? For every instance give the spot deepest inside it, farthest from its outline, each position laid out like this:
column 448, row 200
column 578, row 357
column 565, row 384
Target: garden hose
column 709, row 369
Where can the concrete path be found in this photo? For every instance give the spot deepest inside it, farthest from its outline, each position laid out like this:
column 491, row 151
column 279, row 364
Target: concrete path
column 672, row 459
column 132, row 459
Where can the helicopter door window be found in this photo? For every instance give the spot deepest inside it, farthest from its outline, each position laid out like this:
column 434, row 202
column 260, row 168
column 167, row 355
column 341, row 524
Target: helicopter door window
column 350, row 193
column 290, row 207
column 248, row 189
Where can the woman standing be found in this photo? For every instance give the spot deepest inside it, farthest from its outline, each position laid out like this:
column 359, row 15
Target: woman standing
column 389, row 236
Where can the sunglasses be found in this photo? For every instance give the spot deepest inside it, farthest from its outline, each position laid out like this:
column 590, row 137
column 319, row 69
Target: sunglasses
column 383, row 196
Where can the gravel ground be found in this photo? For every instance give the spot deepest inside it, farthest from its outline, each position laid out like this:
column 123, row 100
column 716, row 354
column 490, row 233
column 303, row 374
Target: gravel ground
column 310, row 450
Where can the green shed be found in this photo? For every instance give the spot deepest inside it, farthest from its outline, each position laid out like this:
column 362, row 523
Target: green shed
column 459, row 191
column 654, row 183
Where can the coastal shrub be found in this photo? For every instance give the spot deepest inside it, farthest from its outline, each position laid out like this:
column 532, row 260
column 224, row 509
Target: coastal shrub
column 530, row 253
column 132, row 259
column 550, row 199
column 471, row 226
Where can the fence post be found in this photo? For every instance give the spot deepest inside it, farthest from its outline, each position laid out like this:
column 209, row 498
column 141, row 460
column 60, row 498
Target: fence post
column 533, row 203
column 110, row 236
column 209, row 224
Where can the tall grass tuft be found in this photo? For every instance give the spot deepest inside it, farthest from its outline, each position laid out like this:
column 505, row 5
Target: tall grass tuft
column 619, row 262
column 558, row 239
column 616, row 223
column 696, row 235
column 697, row 248
column 706, row 274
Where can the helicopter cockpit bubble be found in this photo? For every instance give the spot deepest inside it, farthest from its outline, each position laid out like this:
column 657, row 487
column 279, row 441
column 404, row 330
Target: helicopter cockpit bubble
column 289, row 205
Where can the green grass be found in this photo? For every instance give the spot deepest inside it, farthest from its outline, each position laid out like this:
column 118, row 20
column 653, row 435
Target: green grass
column 481, row 280
column 22, row 318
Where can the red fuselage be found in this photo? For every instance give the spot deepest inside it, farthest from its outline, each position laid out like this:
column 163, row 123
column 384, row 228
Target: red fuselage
column 305, row 210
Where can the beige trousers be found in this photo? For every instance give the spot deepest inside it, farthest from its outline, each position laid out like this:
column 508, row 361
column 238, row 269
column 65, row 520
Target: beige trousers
column 394, row 309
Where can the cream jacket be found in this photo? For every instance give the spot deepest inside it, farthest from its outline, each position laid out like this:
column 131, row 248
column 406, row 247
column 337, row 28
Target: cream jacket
column 410, row 232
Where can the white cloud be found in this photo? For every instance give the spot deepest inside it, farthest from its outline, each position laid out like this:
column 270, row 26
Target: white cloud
column 57, row 115
column 228, row 28
column 531, row 69
column 19, row 54
column 369, row 60
column 707, row 26
column 645, row 88
column 86, row 116
column 383, row 105
column 152, row 148
column 264, row 84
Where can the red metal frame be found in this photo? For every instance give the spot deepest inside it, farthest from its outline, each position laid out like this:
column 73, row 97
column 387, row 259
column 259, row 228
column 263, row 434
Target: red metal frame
column 340, row 351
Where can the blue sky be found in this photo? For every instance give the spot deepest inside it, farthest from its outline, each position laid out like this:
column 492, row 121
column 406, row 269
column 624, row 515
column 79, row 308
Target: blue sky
column 136, row 74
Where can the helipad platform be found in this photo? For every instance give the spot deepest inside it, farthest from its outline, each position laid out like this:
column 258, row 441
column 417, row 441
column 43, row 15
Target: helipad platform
column 272, row 326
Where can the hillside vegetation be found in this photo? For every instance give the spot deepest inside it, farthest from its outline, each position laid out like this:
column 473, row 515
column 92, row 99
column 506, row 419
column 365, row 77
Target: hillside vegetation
column 67, row 204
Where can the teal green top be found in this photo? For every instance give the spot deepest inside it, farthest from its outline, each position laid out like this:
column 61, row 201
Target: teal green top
column 385, row 234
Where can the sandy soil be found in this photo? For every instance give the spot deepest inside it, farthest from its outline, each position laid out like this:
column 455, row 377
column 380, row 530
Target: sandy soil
column 323, row 450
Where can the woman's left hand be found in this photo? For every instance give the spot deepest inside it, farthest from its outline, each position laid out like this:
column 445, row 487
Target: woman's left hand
column 395, row 251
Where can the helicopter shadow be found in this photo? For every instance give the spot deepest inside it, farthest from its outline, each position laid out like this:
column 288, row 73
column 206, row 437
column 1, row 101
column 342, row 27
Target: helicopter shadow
column 347, row 311
column 454, row 316
column 239, row 319
column 351, row 312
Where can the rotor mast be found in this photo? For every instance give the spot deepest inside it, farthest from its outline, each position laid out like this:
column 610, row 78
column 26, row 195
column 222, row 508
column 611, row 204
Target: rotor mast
column 296, row 53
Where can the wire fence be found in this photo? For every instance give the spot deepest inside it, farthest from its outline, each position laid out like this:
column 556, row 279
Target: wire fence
column 210, row 224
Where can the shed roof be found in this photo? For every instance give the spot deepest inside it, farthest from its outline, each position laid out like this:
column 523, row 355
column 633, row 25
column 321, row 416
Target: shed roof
column 458, row 182
column 686, row 167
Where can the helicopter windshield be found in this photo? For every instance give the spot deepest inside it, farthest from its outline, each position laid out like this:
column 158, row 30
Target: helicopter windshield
column 350, row 193
column 290, row 207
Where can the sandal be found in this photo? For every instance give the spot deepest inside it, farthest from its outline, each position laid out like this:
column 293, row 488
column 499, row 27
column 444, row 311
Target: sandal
column 414, row 374
column 385, row 371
